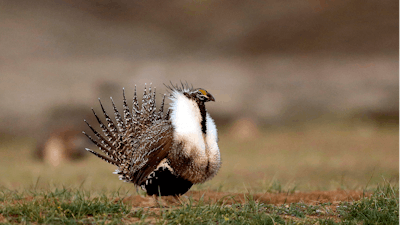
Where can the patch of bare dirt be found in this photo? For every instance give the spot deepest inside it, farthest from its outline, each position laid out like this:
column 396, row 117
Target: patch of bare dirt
column 3, row 219
column 280, row 198
column 314, row 197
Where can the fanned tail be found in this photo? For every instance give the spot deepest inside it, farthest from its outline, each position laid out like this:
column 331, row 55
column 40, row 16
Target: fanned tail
column 161, row 110
column 111, row 131
column 105, row 158
column 118, row 118
column 127, row 113
column 120, row 140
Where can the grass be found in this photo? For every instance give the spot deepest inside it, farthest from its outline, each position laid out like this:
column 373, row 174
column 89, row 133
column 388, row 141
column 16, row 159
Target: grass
column 322, row 157
column 381, row 208
column 76, row 206
column 62, row 206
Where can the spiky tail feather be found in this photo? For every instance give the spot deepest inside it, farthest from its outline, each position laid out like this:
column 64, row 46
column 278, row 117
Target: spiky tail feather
column 120, row 143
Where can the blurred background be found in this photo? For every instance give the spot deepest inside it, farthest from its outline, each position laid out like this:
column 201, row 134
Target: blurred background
column 307, row 91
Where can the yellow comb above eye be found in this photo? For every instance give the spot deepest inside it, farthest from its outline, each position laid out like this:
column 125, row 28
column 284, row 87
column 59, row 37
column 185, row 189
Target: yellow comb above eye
column 204, row 92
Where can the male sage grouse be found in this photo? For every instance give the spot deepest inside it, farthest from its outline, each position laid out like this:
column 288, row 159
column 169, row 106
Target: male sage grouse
column 164, row 153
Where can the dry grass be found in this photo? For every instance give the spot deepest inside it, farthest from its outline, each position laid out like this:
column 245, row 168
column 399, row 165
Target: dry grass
column 275, row 177
column 318, row 157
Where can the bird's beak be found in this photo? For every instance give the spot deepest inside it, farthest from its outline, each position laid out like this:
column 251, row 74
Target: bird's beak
column 210, row 97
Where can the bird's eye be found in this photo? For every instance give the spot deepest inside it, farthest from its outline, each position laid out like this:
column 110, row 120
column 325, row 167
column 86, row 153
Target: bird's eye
column 203, row 92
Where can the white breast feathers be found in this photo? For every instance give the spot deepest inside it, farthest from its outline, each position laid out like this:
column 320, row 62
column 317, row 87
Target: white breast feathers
column 186, row 118
column 201, row 148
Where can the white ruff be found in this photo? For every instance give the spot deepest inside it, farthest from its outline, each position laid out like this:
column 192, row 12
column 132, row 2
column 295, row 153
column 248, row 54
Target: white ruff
column 186, row 118
column 212, row 138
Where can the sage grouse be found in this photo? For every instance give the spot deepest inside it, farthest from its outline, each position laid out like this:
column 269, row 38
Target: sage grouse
column 164, row 153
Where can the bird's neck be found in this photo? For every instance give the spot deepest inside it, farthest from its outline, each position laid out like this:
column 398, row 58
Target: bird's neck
column 203, row 113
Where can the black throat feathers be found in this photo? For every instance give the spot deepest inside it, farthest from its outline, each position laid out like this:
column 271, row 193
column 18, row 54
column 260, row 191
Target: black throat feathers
column 203, row 113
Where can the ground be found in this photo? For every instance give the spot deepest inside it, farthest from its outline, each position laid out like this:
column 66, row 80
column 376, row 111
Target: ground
column 322, row 174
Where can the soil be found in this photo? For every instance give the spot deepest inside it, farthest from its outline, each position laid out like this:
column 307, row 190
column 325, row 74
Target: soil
column 227, row 198
column 156, row 204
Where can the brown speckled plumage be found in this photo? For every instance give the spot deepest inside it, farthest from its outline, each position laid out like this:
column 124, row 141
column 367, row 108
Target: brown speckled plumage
column 155, row 150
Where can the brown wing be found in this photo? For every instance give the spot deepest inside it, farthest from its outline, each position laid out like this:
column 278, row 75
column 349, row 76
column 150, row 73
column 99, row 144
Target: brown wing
column 152, row 151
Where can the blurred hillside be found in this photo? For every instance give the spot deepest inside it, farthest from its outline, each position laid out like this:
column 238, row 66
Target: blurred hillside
column 153, row 29
column 277, row 62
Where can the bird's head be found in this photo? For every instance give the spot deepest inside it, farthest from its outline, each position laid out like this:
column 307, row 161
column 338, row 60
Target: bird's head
column 199, row 95
column 188, row 109
column 202, row 95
